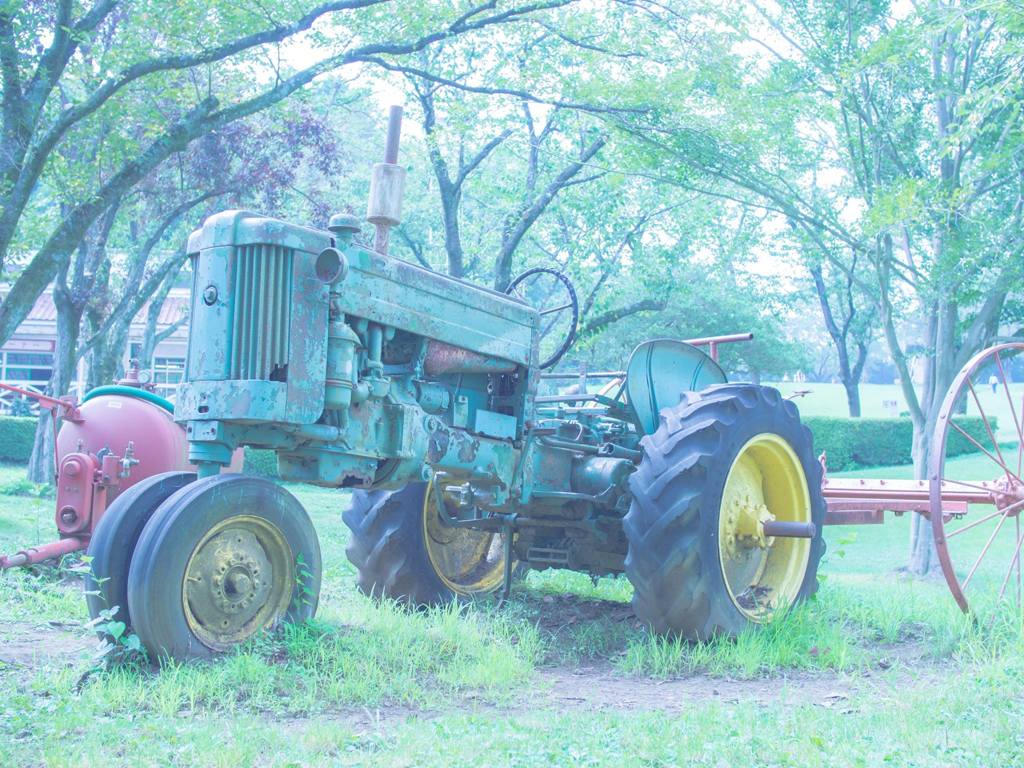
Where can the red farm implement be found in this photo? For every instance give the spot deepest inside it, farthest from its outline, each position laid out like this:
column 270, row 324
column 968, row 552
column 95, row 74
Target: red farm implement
column 117, row 436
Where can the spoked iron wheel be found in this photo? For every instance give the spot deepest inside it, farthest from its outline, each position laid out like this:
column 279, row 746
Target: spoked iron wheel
column 552, row 294
column 980, row 553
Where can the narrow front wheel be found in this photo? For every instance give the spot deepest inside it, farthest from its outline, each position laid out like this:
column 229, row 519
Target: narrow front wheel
column 221, row 560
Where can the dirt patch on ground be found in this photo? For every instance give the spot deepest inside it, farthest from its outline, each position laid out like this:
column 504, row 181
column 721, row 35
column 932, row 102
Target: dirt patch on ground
column 43, row 644
column 595, row 689
column 556, row 612
column 601, row 688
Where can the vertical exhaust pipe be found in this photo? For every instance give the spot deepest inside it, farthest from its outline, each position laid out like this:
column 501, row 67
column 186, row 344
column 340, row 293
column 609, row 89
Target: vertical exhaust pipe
column 387, row 186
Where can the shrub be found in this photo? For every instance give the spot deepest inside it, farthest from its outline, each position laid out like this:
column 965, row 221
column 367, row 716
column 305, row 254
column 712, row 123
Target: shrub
column 260, row 462
column 855, row 443
column 17, row 433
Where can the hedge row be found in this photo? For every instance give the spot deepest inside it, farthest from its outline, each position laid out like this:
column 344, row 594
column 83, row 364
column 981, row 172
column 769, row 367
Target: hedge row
column 855, row 443
column 17, row 433
column 847, row 443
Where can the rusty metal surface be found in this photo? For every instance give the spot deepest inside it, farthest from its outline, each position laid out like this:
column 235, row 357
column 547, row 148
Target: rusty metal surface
column 855, row 513
column 442, row 359
column 66, row 405
column 401, row 295
column 38, row 554
column 917, row 491
column 864, row 501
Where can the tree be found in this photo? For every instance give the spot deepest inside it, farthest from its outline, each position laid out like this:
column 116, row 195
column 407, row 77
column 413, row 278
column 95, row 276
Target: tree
column 103, row 56
column 917, row 118
column 847, row 321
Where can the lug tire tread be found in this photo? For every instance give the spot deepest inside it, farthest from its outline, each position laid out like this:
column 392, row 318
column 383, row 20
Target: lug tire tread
column 386, row 547
column 675, row 591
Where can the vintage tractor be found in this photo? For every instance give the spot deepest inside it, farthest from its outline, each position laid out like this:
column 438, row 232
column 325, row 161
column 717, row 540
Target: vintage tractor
column 423, row 394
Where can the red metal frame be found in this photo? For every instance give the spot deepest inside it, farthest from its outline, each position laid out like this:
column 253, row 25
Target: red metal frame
column 712, row 342
column 865, row 501
column 75, row 532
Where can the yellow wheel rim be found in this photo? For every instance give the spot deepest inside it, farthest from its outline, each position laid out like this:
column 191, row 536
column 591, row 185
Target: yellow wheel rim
column 467, row 561
column 766, row 482
column 238, row 580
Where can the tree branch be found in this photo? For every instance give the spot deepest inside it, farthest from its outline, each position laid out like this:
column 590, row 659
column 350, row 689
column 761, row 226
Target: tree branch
column 493, row 91
column 613, row 316
column 480, row 156
column 529, row 214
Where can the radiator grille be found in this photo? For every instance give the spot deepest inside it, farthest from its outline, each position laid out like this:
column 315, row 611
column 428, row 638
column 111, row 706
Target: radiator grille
column 262, row 313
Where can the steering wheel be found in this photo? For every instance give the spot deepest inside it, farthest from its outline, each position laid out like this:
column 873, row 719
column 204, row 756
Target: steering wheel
column 552, row 294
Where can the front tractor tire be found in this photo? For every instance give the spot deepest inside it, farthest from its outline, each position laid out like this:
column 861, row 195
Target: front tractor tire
column 221, row 560
column 721, row 463
column 114, row 540
column 403, row 550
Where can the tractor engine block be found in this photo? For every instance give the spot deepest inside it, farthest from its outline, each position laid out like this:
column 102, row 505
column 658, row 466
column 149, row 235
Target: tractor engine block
column 362, row 370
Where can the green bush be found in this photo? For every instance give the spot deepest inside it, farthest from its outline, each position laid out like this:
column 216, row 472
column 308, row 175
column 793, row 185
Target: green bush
column 17, row 433
column 260, row 462
column 855, row 443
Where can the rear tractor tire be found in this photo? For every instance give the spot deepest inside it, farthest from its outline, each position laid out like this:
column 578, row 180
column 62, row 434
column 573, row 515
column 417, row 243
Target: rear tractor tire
column 721, row 463
column 404, row 551
column 221, row 560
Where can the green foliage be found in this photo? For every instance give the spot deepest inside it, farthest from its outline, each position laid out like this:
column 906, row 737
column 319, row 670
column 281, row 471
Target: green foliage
column 852, row 443
column 17, row 434
column 260, row 462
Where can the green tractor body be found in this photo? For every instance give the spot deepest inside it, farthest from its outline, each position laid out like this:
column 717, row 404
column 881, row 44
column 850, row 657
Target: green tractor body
column 424, row 394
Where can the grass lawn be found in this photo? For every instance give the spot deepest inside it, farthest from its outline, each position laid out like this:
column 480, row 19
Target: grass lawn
column 877, row 670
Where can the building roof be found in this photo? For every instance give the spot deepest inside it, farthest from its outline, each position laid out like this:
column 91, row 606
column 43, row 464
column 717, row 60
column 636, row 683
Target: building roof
column 174, row 308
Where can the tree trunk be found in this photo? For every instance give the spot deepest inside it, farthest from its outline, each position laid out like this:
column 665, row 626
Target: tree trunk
column 40, row 465
column 149, row 337
column 106, row 358
column 852, row 397
column 923, row 557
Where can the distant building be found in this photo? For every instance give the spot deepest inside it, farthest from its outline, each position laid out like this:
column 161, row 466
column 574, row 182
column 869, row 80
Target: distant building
column 26, row 360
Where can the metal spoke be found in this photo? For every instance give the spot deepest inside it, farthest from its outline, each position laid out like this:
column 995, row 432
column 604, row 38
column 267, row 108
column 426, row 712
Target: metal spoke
column 1013, row 411
column 1017, row 558
column 970, row 575
column 975, row 524
column 982, row 448
column 985, row 488
column 988, row 427
column 556, row 309
column 1013, row 562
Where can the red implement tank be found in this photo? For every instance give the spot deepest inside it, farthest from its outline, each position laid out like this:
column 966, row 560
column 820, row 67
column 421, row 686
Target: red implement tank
column 134, row 424
column 122, row 436
column 117, row 437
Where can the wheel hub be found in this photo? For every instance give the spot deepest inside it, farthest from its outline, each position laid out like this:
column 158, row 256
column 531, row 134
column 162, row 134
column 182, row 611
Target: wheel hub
column 765, row 483
column 236, row 581
column 745, row 519
column 1008, row 495
column 468, row 561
